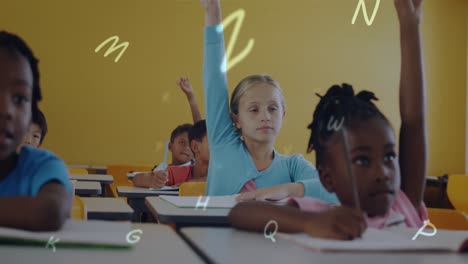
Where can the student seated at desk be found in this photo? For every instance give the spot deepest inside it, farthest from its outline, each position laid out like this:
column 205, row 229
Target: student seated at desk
column 34, row 190
column 175, row 175
column 372, row 156
column 179, row 147
column 242, row 134
column 37, row 131
column 179, row 144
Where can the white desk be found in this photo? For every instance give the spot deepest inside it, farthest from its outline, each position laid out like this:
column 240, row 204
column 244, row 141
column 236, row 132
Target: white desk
column 101, row 178
column 158, row 244
column 227, row 245
column 136, row 198
column 166, row 212
column 103, row 208
column 88, row 188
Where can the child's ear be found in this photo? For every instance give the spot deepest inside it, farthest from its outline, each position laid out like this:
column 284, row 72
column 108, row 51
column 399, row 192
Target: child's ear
column 325, row 178
column 194, row 146
column 235, row 120
column 170, row 147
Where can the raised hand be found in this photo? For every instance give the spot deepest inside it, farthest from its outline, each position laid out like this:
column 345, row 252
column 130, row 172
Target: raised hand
column 212, row 12
column 409, row 11
column 185, row 86
column 413, row 139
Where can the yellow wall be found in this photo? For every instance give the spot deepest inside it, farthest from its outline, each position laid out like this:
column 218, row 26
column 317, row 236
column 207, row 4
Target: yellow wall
column 102, row 112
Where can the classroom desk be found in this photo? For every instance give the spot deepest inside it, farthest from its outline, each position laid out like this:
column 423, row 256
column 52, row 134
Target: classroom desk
column 136, row 198
column 441, row 183
column 104, row 208
column 227, row 245
column 101, row 178
column 158, row 244
column 166, row 213
column 87, row 188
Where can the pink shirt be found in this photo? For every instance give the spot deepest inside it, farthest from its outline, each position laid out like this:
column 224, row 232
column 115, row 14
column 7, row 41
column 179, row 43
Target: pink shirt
column 250, row 185
column 402, row 212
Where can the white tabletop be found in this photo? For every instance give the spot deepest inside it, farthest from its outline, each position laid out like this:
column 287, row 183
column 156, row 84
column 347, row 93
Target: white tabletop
column 227, row 245
column 87, row 188
column 103, row 208
column 158, row 244
column 101, row 178
column 137, row 192
column 166, row 212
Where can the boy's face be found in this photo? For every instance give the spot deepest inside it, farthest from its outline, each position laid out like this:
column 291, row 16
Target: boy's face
column 180, row 149
column 201, row 149
column 34, row 136
column 15, row 101
column 260, row 113
column 374, row 165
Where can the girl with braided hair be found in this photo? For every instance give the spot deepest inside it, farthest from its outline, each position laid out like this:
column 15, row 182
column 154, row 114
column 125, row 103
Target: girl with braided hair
column 388, row 190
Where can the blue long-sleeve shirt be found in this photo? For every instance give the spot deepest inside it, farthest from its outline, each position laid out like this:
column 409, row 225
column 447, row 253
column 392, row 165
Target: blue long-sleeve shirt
column 231, row 165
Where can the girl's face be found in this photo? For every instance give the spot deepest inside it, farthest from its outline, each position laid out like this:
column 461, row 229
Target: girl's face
column 260, row 113
column 16, row 83
column 374, row 165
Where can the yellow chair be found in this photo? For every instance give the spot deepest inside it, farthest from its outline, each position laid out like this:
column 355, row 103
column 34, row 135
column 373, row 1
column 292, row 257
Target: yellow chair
column 119, row 172
column 447, row 219
column 457, row 192
column 78, row 210
column 77, row 171
column 192, row 189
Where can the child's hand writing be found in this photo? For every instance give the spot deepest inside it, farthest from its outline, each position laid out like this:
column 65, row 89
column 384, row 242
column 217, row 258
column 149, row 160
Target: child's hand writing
column 158, row 179
column 342, row 223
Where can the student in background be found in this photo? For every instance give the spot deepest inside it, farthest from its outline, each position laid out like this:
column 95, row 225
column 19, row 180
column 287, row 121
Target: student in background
column 175, row 175
column 390, row 189
column 179, row 147
column 34, row 190
column 242, row 136
column 37, row 131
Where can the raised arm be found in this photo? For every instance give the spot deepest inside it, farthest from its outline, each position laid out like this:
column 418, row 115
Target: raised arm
column 212, row 12
column 186, row 87
column 218, row 118
column 413, row 146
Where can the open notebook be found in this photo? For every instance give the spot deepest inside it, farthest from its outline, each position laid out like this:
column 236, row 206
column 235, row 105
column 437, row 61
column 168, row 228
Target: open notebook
column 213, row 202
column 74, row 233
column 396, row 239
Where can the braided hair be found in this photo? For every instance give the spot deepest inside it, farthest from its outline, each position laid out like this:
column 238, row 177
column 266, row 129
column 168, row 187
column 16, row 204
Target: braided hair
column 339, row 103
column 15, row 45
